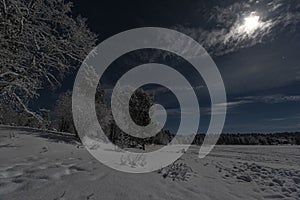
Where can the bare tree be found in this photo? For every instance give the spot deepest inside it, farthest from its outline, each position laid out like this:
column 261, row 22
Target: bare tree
column 40, row 42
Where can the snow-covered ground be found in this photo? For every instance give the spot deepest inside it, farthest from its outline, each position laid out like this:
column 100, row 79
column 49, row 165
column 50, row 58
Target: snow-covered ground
column 37, row 165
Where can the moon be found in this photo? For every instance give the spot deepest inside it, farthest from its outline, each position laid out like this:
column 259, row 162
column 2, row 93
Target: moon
column 250, row 24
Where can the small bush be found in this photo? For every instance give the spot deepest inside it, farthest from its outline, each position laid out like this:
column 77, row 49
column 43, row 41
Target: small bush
column 177, row 171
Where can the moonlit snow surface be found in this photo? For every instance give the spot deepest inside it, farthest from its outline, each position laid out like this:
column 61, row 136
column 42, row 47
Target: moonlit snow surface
column 39, row 165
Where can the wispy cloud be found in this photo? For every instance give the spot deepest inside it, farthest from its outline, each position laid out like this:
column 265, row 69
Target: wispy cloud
column 230, row 31
column 277, row 98
column 233, row 103
column 278, row 119
column 158, row 90
column 269, row 99
column 229, row 107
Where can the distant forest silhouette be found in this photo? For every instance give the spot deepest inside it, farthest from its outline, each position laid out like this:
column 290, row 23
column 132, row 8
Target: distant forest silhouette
column 284, row 138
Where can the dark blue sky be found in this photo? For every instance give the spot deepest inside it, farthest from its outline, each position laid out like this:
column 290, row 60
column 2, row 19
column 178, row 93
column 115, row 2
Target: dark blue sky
column 260, row 63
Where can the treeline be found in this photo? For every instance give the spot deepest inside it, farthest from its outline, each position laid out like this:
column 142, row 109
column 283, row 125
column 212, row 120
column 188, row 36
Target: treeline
column 285, row 138
column 60, row 118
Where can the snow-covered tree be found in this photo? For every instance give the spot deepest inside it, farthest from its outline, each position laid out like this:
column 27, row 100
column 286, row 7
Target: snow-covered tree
column 40, row 42
column 139, row 105
column 63, row 116
column 63, row 113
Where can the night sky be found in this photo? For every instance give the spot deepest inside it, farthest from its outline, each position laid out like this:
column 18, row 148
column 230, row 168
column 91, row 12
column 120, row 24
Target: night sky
column 255, row 45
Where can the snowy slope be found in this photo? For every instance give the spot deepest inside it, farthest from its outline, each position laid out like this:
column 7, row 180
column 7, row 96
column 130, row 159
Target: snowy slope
column 42, row 165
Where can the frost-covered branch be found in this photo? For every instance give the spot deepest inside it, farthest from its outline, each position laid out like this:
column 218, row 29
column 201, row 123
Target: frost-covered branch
column 40, row 42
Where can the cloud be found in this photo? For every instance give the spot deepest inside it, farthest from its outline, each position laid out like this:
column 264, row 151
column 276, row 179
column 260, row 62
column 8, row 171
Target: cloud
column 278, row 119
column 233, row 103
column 288, row 118
column 229, row 106
column 271, row 99
column 159, row 90
column 230, row 32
